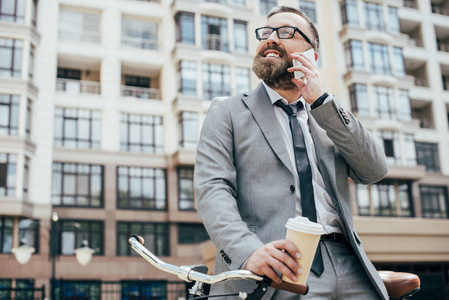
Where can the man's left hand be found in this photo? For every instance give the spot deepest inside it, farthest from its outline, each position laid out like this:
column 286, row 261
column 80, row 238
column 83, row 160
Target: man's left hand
column 311, row 84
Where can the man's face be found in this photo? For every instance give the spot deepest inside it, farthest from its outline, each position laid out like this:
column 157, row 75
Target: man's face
column 273, row 54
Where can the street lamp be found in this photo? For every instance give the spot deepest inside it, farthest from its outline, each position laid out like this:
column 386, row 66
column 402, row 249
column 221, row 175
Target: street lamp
column 23, row 252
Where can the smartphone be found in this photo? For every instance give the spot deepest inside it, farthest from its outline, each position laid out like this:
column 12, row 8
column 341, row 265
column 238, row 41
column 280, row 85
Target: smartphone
column 309, row 54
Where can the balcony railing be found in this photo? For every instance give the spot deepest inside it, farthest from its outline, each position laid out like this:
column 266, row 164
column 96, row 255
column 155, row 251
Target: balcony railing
column 78, row 86
column 415, row 43
column 440, row 10
column 421, row 82
column 443, row 46
column 141, row 93
column 81, row 36
column 137, row 42
column 410, row 4
column 215, row 42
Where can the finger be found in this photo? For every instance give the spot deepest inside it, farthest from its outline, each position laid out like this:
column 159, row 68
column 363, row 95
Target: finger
column 287, row 265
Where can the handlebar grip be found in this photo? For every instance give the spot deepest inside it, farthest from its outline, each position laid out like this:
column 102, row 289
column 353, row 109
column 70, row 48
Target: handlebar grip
column 300, row 289
column 137, row 237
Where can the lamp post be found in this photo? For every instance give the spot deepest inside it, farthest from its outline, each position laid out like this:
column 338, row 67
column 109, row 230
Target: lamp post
column 23, row 252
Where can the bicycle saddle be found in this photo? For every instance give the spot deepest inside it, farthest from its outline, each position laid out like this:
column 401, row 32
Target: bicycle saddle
column 400, row 285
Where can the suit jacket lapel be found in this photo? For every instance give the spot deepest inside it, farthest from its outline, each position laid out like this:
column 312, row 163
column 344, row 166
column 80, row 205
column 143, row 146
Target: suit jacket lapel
column 260, row 106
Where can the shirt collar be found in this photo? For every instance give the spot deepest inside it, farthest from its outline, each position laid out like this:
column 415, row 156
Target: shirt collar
column 274, row 96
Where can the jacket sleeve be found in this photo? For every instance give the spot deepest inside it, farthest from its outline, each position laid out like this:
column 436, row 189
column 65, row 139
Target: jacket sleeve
column 216, row 190
column 363, row 154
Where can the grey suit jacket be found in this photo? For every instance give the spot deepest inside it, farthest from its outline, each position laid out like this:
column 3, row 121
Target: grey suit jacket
column 243, row 176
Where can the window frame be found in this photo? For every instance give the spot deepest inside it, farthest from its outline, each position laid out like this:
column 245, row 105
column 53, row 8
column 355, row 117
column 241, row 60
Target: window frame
column 63, row 168
column 153, row 123
column 185, row 174
column 154, row 227
column 140, row 174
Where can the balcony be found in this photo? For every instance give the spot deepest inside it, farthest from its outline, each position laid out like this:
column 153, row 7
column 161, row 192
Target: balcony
column 215, row 42
column 413, row 30
column 441, row 8
column 73, row 86
column 141, row 93
column 422, row 111
column 417, row 69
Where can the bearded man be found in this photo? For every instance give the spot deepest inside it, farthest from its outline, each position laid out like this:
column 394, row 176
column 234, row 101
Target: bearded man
column 251, row 175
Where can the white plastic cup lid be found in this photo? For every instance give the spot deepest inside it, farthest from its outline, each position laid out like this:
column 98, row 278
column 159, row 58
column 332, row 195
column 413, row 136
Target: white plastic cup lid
column 303, row 224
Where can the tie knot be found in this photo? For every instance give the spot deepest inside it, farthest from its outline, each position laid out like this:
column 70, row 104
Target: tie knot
column 290, row 109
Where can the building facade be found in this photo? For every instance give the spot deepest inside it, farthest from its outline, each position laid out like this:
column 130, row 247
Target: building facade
column 102, row 102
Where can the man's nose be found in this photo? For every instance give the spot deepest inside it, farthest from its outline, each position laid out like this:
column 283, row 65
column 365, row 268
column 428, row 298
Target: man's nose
column 273, row 38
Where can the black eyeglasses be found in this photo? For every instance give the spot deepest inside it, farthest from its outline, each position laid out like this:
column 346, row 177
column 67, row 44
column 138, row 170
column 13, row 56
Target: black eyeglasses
column 283, row 32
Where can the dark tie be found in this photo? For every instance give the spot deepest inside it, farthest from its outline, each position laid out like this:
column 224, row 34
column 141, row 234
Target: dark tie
column 304, row 173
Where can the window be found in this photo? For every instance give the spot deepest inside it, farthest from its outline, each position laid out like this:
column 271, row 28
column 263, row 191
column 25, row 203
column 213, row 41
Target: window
column 398, row 62
column 77, row 185
column 74, row 74
column 359, row 99
column 77, row 128
column 384, row 102
column 185, row 25
column 29, row 232
column 266, row 6
column 6, row 228
column 393, row 20
column 79, row 26
column 374, row 19
column 28, row 285
column 240, row 37
column 189, row 129
column 12, row 10
column 141, row 133
column 34, row 13
column 354, row 55
column 8, row 174
column 28, row 118
column 239, row 3
column 404, row 109
column 387, row 198
column 434, row 201
column 192, row 233
column 187, row 71
column 31, row 63
column 77, row 289
column 390, row 141
column 349, row 12
column 11, row 58
column 6, row 284
column 26, row 174
column 409, row 149
column 379, row 59
column 185, row 189
column 242, row 80
column 144, row 289
column 215, row 33
column 309, row 8
column 216, row 81
column 141, row 188
column 427, row 155
column 140, row 34
column 9, row 114
column 155, row 235
column 69, row 235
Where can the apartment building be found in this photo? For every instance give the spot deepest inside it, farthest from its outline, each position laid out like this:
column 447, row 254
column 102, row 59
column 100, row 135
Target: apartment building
column 102, row 102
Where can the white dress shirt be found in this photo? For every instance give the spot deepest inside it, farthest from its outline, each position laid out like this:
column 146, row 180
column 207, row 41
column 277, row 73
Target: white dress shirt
column 326, row 213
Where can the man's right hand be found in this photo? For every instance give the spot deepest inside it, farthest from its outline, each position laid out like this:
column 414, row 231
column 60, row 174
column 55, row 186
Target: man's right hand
column 280, row 255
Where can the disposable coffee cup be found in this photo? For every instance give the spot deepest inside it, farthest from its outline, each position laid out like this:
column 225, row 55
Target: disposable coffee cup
column 306, row 236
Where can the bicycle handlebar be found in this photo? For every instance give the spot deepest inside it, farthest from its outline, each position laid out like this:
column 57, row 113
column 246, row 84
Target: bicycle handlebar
column 187, row 273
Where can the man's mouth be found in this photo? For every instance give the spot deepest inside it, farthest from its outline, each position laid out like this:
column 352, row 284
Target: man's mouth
column 273, row 54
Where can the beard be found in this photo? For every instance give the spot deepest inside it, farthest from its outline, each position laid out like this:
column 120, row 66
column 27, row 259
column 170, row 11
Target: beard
column 274, row 71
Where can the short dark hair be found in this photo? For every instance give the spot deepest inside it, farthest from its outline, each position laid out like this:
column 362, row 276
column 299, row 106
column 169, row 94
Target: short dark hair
column 283, row 9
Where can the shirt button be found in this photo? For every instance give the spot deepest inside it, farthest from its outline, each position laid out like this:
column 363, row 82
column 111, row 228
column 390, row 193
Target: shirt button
column 292, row 189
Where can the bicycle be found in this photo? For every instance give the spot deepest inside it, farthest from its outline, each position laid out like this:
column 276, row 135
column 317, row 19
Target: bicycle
column 400, row 286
